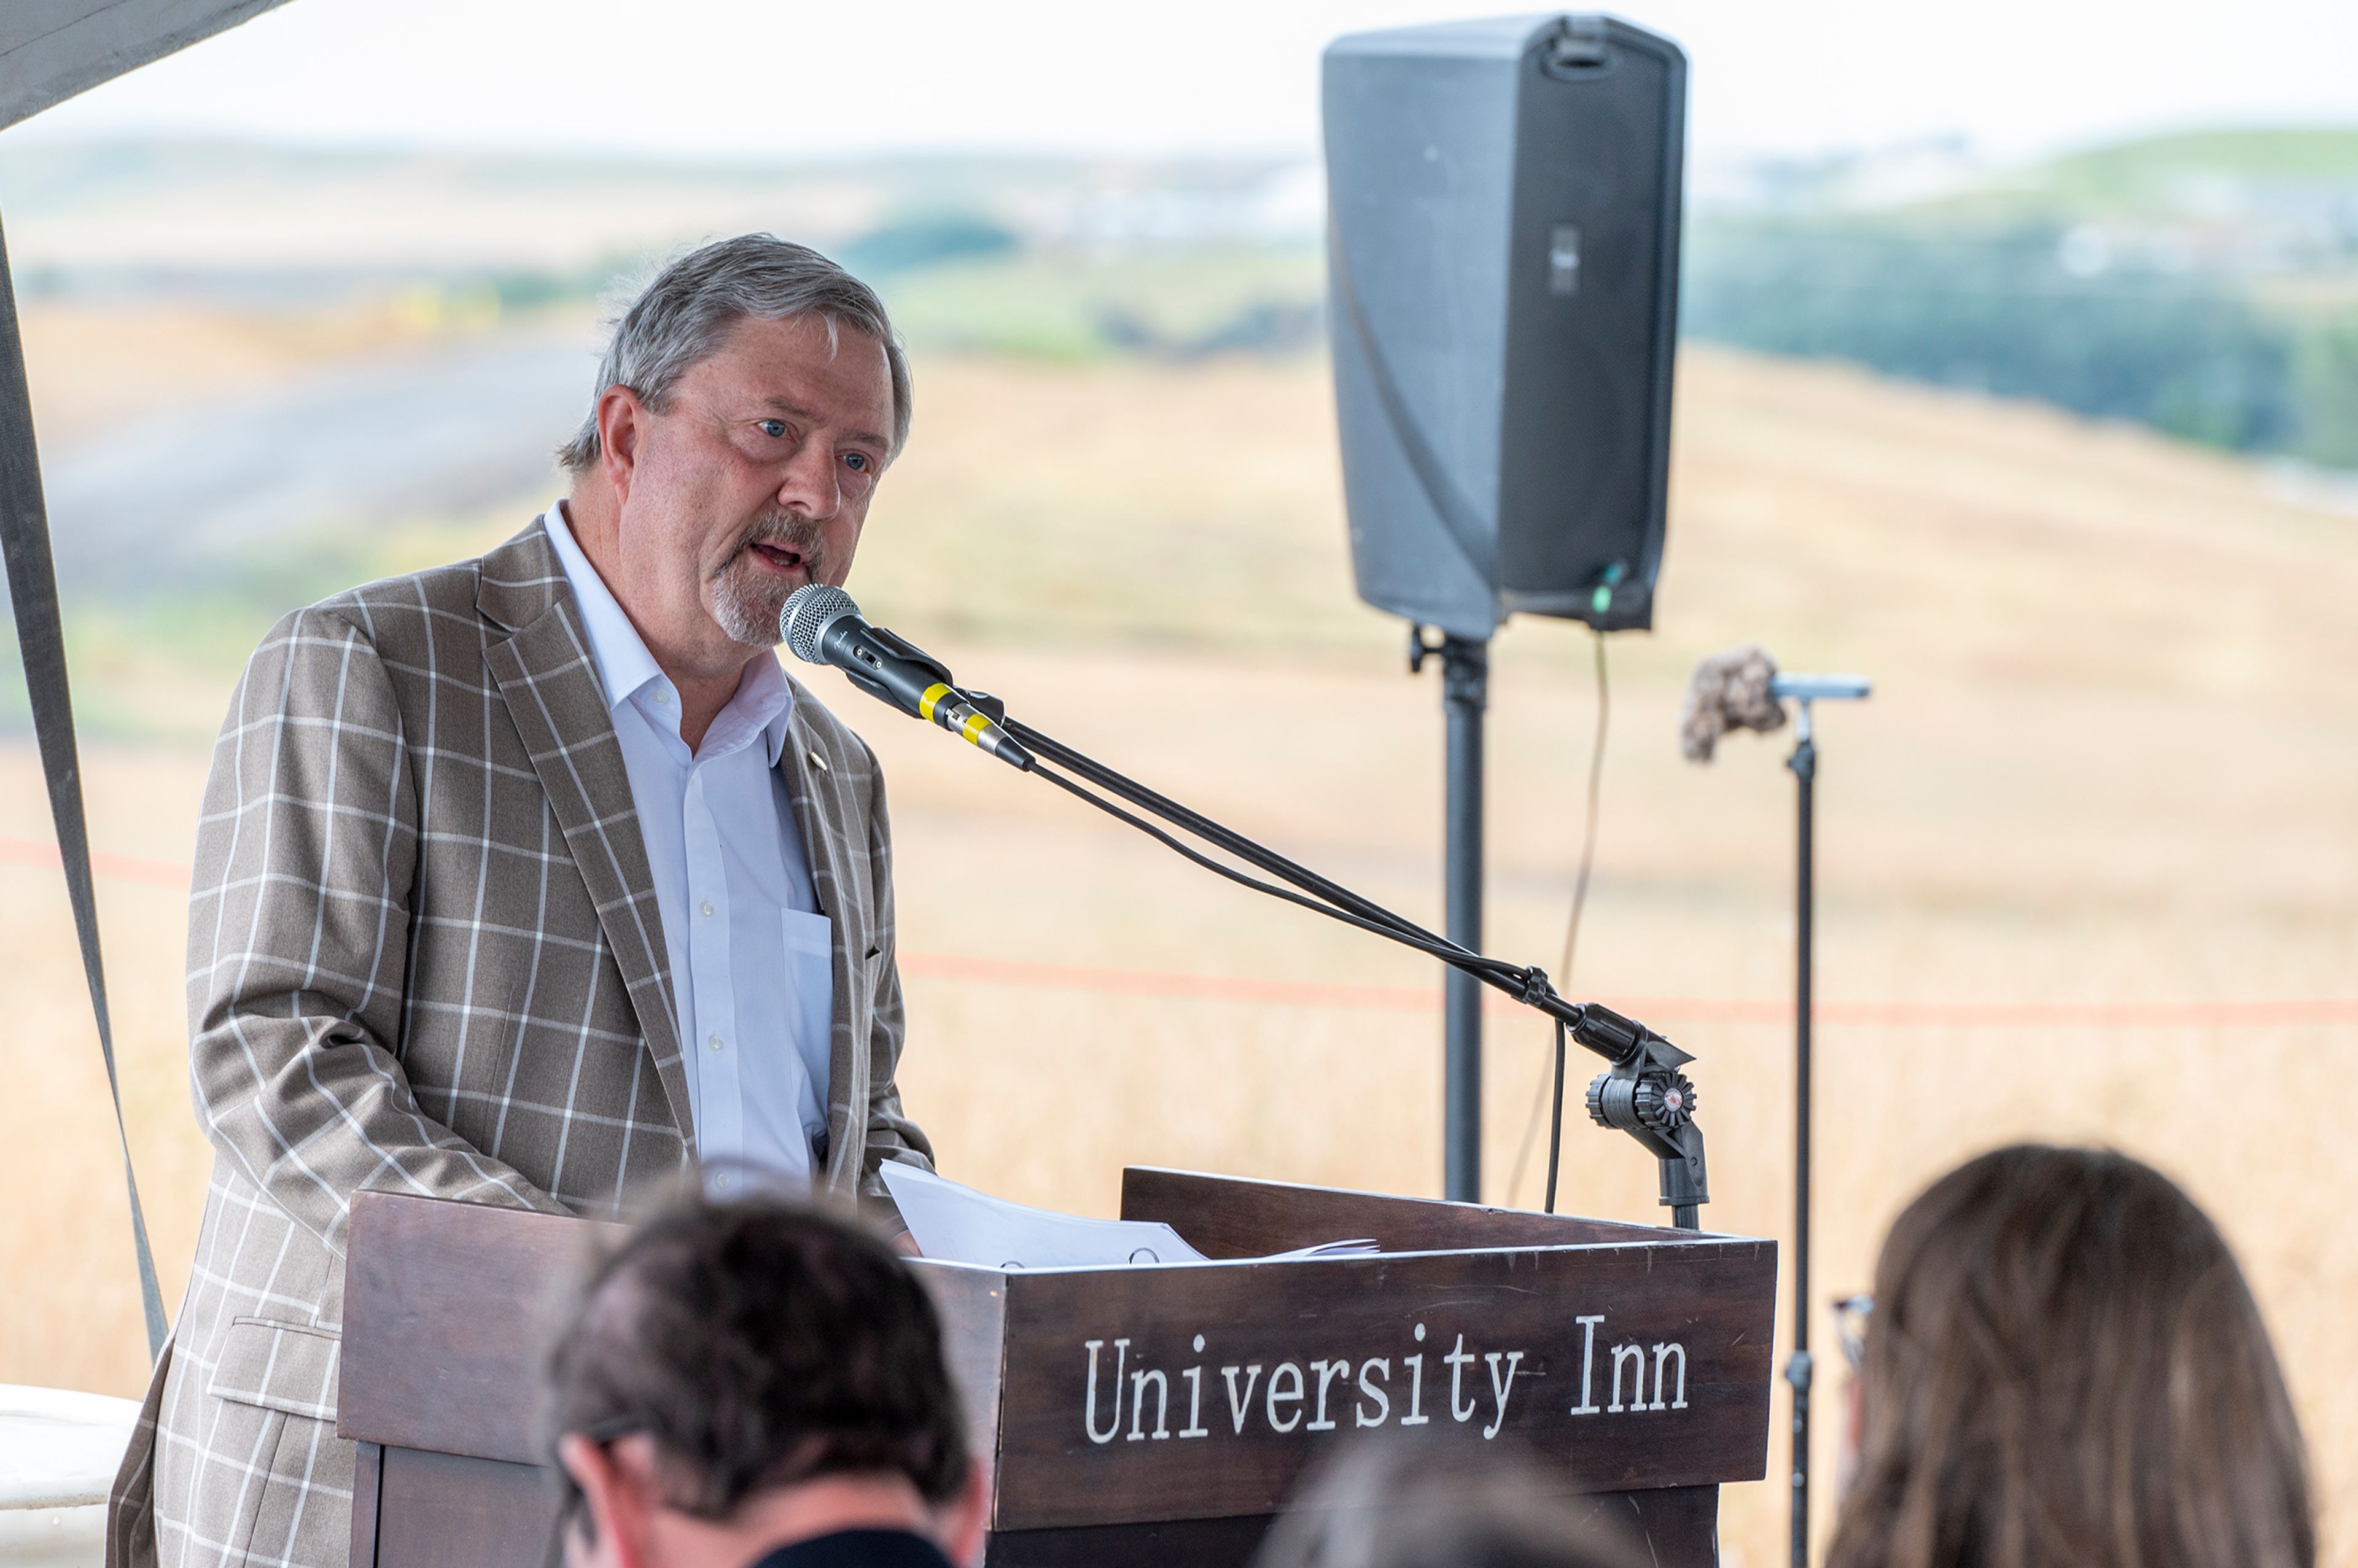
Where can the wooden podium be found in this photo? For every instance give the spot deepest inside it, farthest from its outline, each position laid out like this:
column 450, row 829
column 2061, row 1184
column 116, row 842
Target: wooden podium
column 1148, row 1415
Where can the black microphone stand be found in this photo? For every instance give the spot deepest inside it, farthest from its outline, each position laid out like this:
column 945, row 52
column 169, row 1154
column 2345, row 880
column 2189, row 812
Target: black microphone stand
column 1800, row 1368
column 1641, row 1092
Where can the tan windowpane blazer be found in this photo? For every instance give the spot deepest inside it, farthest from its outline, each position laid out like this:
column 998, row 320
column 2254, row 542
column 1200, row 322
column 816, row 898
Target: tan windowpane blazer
column 425, row 956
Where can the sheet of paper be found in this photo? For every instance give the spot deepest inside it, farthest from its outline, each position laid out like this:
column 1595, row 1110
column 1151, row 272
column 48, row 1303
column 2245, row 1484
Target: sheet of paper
column 1358, row 1247
column 958, row 1224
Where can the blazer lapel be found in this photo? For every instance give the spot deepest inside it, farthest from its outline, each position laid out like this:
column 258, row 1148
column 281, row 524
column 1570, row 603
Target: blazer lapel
column 820, row 815
column 550, row 683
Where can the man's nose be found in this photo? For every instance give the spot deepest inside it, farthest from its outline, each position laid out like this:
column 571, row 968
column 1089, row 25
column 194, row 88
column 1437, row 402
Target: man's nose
column 809, row 485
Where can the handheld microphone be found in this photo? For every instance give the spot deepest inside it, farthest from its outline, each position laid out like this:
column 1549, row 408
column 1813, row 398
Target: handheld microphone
column 822, row 625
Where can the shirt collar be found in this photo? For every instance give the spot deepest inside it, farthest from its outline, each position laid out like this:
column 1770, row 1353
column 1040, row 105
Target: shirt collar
column 766, row 698
column 626, row 669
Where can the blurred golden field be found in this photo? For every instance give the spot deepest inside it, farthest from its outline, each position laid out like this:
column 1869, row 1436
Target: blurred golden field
column 2111, row 759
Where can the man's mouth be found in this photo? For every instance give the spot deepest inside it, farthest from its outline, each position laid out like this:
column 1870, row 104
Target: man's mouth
column 780, row 558
column 783, row 555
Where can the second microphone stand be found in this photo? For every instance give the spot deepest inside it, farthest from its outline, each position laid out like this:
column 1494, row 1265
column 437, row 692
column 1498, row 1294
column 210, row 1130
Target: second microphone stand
column 1800, row 1368
column 1641, row 1092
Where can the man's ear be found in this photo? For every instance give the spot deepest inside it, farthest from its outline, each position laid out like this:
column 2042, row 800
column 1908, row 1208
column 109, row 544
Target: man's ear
column 964, row 1518
column 617, row 1490
column 621, row 426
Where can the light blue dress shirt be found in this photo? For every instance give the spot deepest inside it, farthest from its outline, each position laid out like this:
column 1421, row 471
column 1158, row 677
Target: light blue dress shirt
column 751, row 959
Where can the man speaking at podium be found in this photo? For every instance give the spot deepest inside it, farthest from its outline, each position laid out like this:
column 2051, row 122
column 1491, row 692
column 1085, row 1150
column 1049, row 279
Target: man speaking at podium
column 530, row 880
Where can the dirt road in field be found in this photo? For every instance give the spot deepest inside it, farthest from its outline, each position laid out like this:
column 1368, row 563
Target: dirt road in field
column 206, row 483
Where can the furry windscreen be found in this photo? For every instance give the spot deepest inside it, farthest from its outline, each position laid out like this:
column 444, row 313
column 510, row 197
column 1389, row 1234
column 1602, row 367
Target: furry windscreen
column 1730, row 691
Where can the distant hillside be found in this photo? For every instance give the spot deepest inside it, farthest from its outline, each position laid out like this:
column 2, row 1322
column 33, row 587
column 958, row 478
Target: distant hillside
column 2202, row 175
column 2203, row 284
column 2199, row 174
column 1039, row 257
column 199, row 216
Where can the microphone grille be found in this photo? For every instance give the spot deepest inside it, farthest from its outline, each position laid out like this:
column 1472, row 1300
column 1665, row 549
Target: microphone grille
column 810, row 610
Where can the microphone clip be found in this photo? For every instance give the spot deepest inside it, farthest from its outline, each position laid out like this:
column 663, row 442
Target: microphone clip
column 1644, row 1094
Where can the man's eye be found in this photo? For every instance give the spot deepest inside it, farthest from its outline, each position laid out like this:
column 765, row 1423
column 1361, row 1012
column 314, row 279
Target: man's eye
column 773, row 428
column 859, row 462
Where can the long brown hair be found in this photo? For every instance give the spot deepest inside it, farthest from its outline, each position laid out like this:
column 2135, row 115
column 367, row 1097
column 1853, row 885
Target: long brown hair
column 2065, row 1369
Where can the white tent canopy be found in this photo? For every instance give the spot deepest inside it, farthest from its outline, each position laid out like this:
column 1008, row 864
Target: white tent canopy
column 51, row 49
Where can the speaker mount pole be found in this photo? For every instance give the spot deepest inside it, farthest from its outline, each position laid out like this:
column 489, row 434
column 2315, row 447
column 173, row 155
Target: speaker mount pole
column 1465, row 696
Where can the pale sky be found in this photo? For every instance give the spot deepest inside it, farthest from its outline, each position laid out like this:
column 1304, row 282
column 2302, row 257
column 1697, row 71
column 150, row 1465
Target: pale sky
column 771, row 78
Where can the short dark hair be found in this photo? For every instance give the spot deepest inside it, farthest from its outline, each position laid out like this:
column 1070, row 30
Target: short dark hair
column 758, row 1345
column 2064, row 1369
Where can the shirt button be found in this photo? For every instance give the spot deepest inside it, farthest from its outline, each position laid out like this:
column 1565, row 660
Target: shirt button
column 705, row 907
column 714, row 1042
column 724, row 1181
column 663, row 697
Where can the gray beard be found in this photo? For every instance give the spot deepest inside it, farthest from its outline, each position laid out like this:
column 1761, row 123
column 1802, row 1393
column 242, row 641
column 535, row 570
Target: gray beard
column 746, row 601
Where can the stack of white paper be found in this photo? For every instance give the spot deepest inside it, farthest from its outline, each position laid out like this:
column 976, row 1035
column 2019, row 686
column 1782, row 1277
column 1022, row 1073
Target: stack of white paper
column 958, row 1224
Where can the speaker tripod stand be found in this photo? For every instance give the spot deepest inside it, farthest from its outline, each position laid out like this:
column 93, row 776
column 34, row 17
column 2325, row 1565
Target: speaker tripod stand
column 1464, row 698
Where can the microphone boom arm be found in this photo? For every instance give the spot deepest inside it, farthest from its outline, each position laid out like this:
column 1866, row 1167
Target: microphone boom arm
column 1642, row 1093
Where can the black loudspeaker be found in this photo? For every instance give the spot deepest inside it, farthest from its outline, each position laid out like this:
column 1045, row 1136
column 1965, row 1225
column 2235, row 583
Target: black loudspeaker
column 1503, row 264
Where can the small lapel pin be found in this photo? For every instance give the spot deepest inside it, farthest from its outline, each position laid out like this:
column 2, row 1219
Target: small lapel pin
column 819, row 761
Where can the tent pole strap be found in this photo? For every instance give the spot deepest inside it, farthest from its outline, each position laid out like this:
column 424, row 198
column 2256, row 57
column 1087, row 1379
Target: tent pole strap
column 41, row 639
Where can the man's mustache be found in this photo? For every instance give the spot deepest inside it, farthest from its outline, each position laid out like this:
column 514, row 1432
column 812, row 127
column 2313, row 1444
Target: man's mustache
column 785, row 530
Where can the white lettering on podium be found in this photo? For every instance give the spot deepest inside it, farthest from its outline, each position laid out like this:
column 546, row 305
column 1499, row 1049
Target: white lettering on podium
column 1293, row 1375
column 1587, row 1405
column 1369, row 1391
column 1660, row 1352
column 1138, row 1381
column 1089, row 1401
column 1301, row 1396
column 1238, row 1405
column 1623, row 1353
column 1326, row 1372
column 1458, row 1361
column 1501, row 1387
column 1629, row 1355
column 1195, row 1376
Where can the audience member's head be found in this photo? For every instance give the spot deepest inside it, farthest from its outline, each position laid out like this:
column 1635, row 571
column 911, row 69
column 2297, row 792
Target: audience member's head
column 2064, row 1369
column 1407, row 1507
column 743, row 1378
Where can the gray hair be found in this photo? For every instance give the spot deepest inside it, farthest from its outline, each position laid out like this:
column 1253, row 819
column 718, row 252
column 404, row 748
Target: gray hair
column 1410, row 1504
column 677, row 323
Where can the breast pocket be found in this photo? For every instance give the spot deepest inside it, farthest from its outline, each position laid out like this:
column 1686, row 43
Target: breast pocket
column 810, row 971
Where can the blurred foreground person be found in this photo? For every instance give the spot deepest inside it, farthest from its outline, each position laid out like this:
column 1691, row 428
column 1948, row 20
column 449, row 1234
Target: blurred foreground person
column 758, row 1384
column 1400, row 1507
column 2064, row 1369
